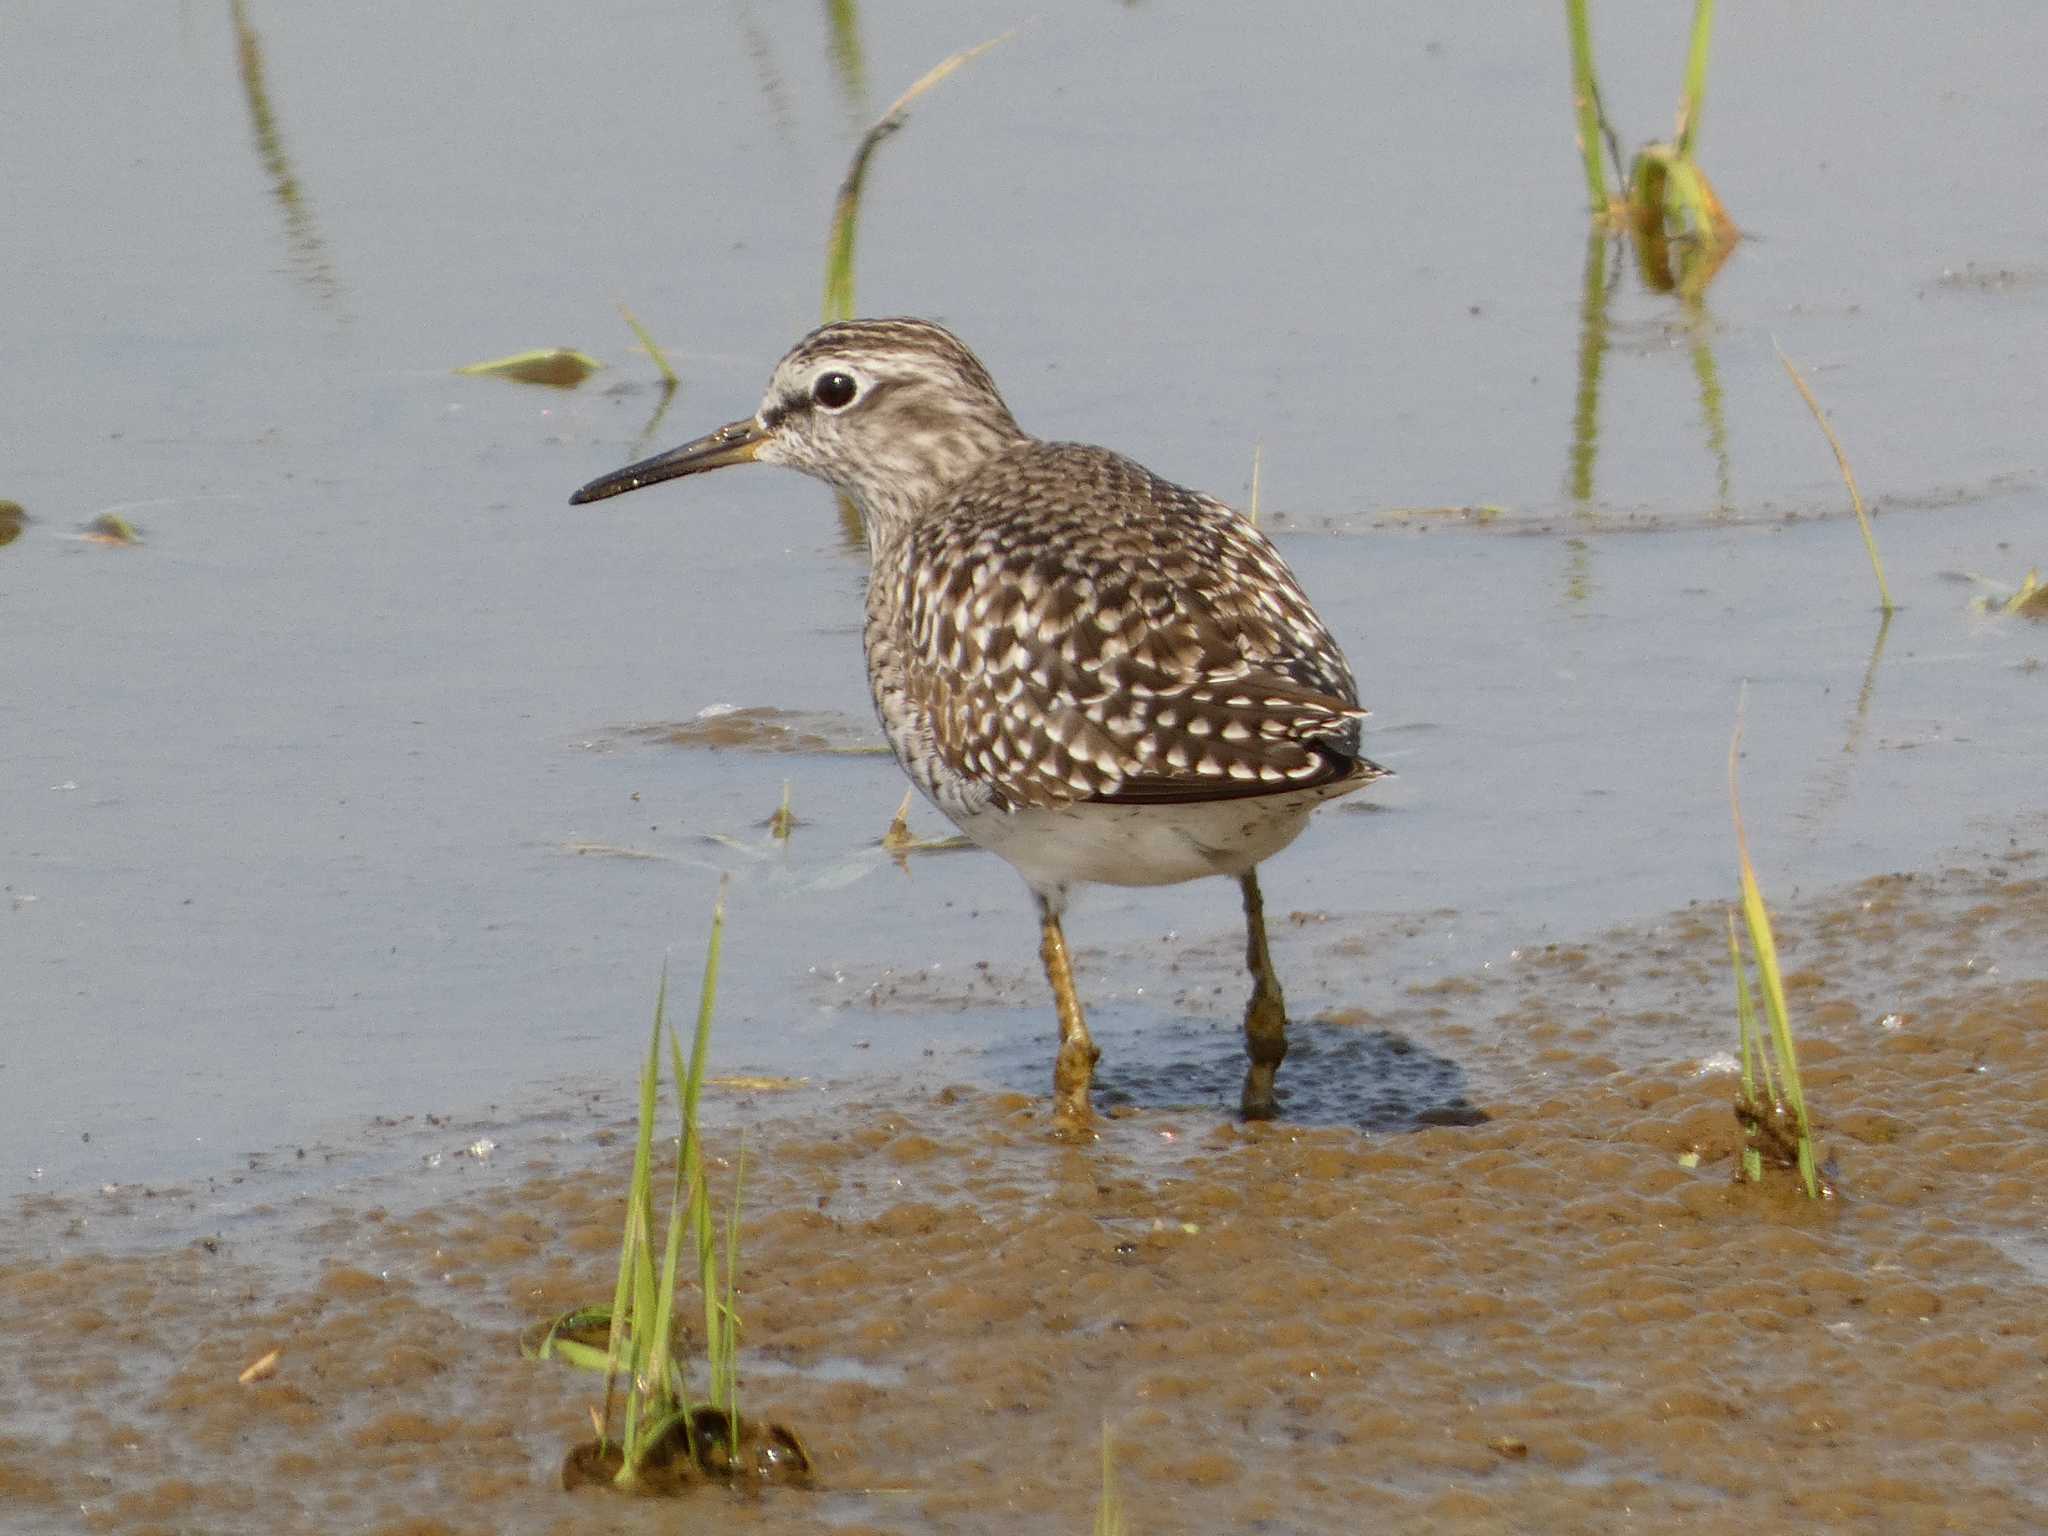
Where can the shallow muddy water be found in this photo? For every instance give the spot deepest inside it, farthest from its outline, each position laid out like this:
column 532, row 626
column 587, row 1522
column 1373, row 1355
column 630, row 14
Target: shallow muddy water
column 354, row 808
column 1565, row 1317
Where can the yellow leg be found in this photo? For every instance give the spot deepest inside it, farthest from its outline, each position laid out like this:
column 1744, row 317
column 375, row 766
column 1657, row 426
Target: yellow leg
column 1075, row 1065
column 1265, row 1016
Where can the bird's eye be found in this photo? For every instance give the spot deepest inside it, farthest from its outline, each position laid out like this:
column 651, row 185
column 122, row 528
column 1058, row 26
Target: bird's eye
column 835, row 391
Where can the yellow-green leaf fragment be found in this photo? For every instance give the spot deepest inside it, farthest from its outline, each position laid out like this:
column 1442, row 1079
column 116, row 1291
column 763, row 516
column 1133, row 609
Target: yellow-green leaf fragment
column 111, row 528
column 555, row 367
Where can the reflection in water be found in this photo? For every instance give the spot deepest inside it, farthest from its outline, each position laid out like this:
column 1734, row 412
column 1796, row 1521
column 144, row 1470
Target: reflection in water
column 646, row 437
column 670, row 381
column 1593, row 290
column 302, row 236
column 1597, row 282
column 849, row 62
column 1833, row 782
column 1680, row 234
column 1884, row 591
column 1709, row 378
column 768, row 73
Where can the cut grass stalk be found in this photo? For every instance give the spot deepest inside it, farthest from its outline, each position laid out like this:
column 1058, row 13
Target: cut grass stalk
column 846, row 207
column 1884, row 592
column 1252, row 511
column 1764, row 1117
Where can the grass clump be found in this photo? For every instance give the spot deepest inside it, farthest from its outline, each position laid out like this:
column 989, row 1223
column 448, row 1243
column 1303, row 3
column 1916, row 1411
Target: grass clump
column 668, row 1437
column 1770, row 1102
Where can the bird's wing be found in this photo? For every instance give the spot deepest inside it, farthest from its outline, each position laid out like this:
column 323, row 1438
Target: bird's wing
column 1096, row 633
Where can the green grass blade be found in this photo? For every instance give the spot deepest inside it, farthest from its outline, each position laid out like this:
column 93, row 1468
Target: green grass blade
column 640, row 1303
column 668, row 374
column 1695, row 95
column 584, row 1357
column 643, row 1148
column 729, row 1346
column 1745, row 1013
column 839, row 247
column 575, row 1320
column 1745, row 1020
column 668, row 1388
column 1758, row 919
column 690, row 1086
column 1586, row 105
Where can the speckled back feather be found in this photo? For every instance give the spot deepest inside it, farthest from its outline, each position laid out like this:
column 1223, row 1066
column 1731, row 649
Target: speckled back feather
column 1066, row 626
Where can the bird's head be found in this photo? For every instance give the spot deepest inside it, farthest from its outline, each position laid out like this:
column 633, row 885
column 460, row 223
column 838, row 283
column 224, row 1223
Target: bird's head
column 891, row 412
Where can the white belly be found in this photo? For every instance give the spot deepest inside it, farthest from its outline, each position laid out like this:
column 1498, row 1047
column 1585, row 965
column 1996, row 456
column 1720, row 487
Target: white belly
column 1142, row 844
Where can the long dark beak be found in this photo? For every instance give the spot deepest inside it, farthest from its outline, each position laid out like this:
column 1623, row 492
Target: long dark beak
column 737, row 442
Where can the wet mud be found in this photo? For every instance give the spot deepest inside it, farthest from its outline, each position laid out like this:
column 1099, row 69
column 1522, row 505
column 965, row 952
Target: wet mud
column 765, row 1455
column 768, row 728
column 1559, row 1314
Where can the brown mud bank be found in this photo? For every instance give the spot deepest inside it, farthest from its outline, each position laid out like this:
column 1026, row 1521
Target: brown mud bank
column 1564, row 1318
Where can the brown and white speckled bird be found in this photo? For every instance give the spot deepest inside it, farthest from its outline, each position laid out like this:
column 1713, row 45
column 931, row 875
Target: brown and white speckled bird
column 1095, row 673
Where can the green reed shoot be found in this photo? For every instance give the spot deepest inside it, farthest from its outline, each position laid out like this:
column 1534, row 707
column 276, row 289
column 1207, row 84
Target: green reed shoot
column 1884, row 592
column 1752, row 1052
column 653, row 347
column 1695, row 91
column 1765, row 1105
column 846, row 207
column 721, row 1319
column 640, row 1322
column 1586, row 103
column 1666, row 202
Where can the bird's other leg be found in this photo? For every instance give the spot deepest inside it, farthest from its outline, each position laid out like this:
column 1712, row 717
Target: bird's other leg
column 1075, row 1066
column 1265, row 1016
